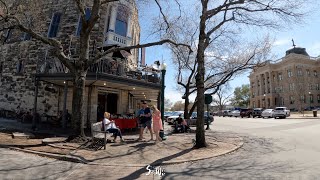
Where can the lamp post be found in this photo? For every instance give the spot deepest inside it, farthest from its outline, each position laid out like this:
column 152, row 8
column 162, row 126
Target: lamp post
column 310, row 100
column 264, row 101
column 163, row 68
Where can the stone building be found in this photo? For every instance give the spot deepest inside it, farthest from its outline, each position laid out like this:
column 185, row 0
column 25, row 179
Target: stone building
column 292, row 81
column 115, row 84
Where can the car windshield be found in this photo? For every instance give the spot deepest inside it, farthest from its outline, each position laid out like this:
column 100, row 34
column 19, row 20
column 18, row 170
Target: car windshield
column 194, row 114
column 268, row 110
column 167, row 113
column 279, row 108
column 176, row 113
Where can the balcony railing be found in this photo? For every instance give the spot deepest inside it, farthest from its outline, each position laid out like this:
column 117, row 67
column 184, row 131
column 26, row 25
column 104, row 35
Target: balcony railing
column 117, row 68
column 113, row 38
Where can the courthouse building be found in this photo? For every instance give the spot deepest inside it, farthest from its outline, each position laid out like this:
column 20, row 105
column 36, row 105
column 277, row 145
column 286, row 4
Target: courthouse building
column 115, row 84
column 292, row 81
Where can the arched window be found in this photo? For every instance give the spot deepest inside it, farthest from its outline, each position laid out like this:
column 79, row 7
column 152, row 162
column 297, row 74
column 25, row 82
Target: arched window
column 121, row 26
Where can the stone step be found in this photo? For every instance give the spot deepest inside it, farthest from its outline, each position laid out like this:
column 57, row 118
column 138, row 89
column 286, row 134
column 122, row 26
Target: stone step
column 24, row 135
column 53, row 140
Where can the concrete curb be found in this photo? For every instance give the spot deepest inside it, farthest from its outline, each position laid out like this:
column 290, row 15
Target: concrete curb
column 82, row 160
column 172, row 162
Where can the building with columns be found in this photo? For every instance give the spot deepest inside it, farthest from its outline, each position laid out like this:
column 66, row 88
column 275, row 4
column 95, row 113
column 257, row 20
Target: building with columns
column 292, row 81
column 116, row 84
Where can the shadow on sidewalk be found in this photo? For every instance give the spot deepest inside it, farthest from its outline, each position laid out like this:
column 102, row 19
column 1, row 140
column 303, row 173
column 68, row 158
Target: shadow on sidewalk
column 136, row 174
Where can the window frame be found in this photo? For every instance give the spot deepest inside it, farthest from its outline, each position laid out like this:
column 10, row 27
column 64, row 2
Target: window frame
column 79, row 26
column 52, row 25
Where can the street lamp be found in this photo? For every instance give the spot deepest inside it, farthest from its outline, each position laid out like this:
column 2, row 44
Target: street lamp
column 264, row 100
column 310, row 100
column 163, row 68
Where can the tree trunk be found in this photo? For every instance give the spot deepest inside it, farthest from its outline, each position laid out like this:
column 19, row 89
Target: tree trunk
column 78, row 103
column 186, row 105
column 200, row 133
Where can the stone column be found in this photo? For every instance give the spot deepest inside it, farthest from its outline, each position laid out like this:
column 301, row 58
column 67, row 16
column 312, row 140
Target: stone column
column 261, row 86
column 113, row 18
column 129, row 24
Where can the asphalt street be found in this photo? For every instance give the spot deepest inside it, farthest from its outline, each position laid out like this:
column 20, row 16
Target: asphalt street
column 273, row 149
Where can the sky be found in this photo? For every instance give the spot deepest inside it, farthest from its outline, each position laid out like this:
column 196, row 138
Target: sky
column 306, row 35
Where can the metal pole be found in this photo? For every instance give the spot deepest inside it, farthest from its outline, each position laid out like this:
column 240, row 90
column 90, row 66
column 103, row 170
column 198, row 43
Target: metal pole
column 163, row 73
column 207, row 117
column 64, row 113
column 35, row 105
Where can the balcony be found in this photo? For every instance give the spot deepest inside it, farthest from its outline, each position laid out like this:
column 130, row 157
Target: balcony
column 113, row 38
column 104, row 70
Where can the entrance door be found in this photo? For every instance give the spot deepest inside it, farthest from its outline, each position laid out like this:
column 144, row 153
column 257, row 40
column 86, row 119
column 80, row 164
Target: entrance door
column 101, row 106
column 112, row 103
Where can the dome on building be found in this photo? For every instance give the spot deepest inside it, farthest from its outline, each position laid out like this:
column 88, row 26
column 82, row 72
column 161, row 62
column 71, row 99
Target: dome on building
column 297, row 50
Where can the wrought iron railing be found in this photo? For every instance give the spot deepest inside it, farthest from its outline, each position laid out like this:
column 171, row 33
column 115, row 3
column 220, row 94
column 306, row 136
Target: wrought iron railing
column 114, row 67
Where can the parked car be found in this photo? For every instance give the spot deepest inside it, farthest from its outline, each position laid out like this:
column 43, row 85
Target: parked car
column 268, row 113
column 193, row 118
column 167, row 114
column 281, row 112
column 174, row 116
column 235, row 113
column 257, row 112
column 245, row 113
column 226, row 113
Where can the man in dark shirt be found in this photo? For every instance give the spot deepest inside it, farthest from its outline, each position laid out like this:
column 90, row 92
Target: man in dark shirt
column 178, row 123
column 145, row 121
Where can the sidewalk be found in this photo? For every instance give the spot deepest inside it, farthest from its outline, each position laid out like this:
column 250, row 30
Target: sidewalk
column 176, row 149
column 301, row 116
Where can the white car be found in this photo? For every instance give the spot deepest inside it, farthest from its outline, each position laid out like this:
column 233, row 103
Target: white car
column 235, row 113
column 268, row 113
column 174, row 116
column 281, row 112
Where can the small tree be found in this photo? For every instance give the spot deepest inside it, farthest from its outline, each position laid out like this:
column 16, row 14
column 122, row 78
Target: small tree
column 222, row 97
column 241, row 96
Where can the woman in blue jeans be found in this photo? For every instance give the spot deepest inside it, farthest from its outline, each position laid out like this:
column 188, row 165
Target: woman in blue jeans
column 110, row 126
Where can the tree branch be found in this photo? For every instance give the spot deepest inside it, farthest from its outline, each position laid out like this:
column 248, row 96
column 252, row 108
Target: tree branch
column 101, row 55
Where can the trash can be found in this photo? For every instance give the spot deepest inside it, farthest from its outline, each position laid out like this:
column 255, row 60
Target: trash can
column 314, row 113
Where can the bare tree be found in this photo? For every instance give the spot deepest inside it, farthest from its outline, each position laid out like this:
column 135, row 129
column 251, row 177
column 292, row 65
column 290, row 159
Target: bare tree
column 222, row 96
column 14, row 15
column 218, row 15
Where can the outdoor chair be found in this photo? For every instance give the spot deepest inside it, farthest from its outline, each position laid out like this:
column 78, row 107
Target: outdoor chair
column 97, row 133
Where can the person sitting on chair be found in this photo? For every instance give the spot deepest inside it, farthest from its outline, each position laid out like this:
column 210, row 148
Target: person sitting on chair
column 110, row 126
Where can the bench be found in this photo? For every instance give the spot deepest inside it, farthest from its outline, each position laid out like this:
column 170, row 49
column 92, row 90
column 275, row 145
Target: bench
column 98, row 134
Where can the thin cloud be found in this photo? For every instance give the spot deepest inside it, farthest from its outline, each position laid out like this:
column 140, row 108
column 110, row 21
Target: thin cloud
column 282, row 42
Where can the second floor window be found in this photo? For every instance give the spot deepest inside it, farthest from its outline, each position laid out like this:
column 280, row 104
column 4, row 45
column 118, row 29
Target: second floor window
column 8, row 35
column 88, row 15
column 291, row 87
column 20, row 67
column 299, row 72
column 54, row 25
column 308, row 72
column 289, row 73
column 315, row 73
column 280, row 77
column 121, row 25
column 317, row 87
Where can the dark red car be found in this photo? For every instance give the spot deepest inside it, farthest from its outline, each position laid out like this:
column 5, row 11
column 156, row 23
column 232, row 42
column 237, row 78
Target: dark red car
column 245, row 113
